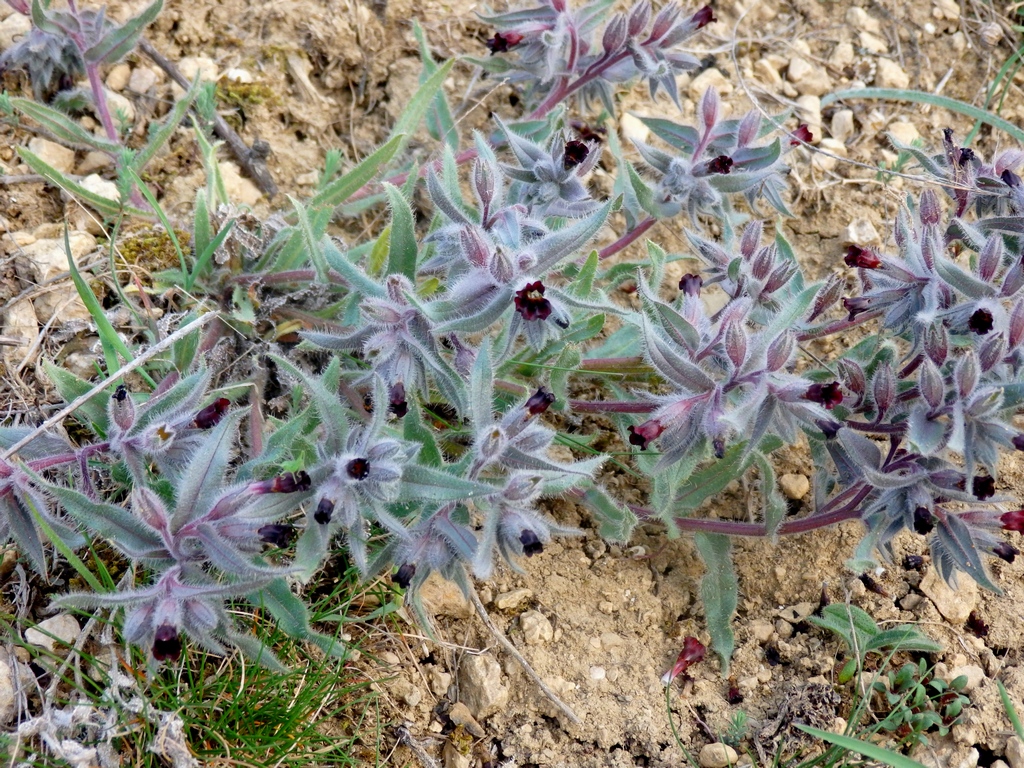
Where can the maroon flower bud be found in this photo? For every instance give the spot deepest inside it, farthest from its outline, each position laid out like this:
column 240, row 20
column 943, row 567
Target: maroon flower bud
column 396, row 400
column 856, row 306
column 802, row 135
column 924, row 521
column 1005, row 551
column 1018, row 442
column 980, row 322
column 721, row 164
column 403, row 577
column 539, row 402
column 531, row 304
column 290, row 482
column 278, row 534
column 358, row 469
column 862, row 258
column 531, row 544
column 645, row 433
column 121, row 393
column 718, row 447
column 983, row 487
column 1010, row 178
column 703, row 17
column 829, row 428
column 977, row 624
column 575, row 153
column 827, row 395
column 211, row 415
column 691, row 284
column 693, row 651
column 1013, row 521
column 324, row 511
column 501, row 43
column 166, row 643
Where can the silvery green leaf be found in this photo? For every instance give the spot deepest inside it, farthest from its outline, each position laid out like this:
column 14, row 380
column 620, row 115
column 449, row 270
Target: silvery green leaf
column 719, row 590
column 670, row 363
column 429, row 484
column 293, row 616
column 953, row 548
column 202, row 479
column 333, row 415
column 615, row 521
column 562, row 242
column 924, row 433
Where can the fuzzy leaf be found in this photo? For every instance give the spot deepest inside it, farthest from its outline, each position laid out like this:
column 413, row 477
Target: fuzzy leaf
column 615, row 521
column 429, row 484
column 403, row 249
column 119, row 41
column 340, row 190
column 719, row 590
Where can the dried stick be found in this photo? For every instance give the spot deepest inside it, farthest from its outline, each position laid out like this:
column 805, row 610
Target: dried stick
column 505, row 643
column 250, row 158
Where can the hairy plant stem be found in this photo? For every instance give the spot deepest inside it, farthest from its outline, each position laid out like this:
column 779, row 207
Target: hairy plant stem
column 82, row 454
column 628, row 238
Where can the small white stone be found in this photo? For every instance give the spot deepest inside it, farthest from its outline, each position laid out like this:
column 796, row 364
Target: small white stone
column 929, row 28
column 597, row 673
column 946, row 10
column 238, row 75
column 53, row 154
column 480, row 686
column 904, row 133
column 536, row 628
column 709, row 78
column 240, row 190
column 717, row 755
column 121, row 108
column 861, row 232
column 610, row 640
column 766, row 73
column 891, row 75
column 1015, row 752
column 92, row 162
column 761, row 631
column 843, row 55
column 511, row 600
column 954, row 604
column 99, row 186
column 20, row 322
column 142, row 79
column 794, row 486
column 117, row 78
column 809, row 111
column 872, row 43
column 190, row 66
column 64, row 630
column 975, row 676
column 858, row 18
column 842, row 127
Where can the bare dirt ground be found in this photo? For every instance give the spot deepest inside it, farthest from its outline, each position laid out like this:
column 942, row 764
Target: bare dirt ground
column 600, row 623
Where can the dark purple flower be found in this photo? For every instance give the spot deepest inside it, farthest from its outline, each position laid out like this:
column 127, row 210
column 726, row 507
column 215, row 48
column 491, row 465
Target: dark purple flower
column 324, row 510
column 278, row 534
column 856, row 306
column 827, row 395
column 211, row 415
column 531, row 304
column 980, row 322
column 1005, row 551
column 403, row 577
column 1010, row 178
column 721, row 164
column 924, row 521
column 166, row 643
column 1018, row 442
column 539, row 402
column 691, row 284
column 1013, row 521
column 121, row 393
column 396, row 400
column 358, row 469
column 575, row 153
column 645, row 433
column 983, row 487
column 703, row 17
column 977, row 624
column 861, row 257
column 802, row 135
column 500, row 43
column 913, row 562
column 290, row 482
column 531, row 544
column 829, row 428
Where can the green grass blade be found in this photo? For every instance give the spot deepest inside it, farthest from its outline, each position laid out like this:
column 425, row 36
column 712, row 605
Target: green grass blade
column 419, row 104
column 865, row 748
column 64, row 549
column 1011, row 712
column 111, row 342
column 155, row 205
column 102, row 205
column 920, row 97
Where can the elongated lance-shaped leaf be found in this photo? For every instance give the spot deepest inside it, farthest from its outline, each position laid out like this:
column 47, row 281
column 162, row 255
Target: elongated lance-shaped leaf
column 559, row 244
column 323, row 393
column 165, row 128
column 403, row 248
column 953, row 548
column 102, row 205
column 719, row 590
column 774, row 504
column 419, row 105
column 342, row 189
column 865, row 748
column 615, row 521
column 670, row 364
column 119, row 41
column 293, row 616
column 23, row 529
column 710, row 480
column 429, row 484
column 443, row 201
column 854, row 625
column 483, row 318
column 202, row 480
column 440, row 122
column 676, row 327
column 357, row 279
column 481, row 387
column 184, row 395
column 63, row 127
